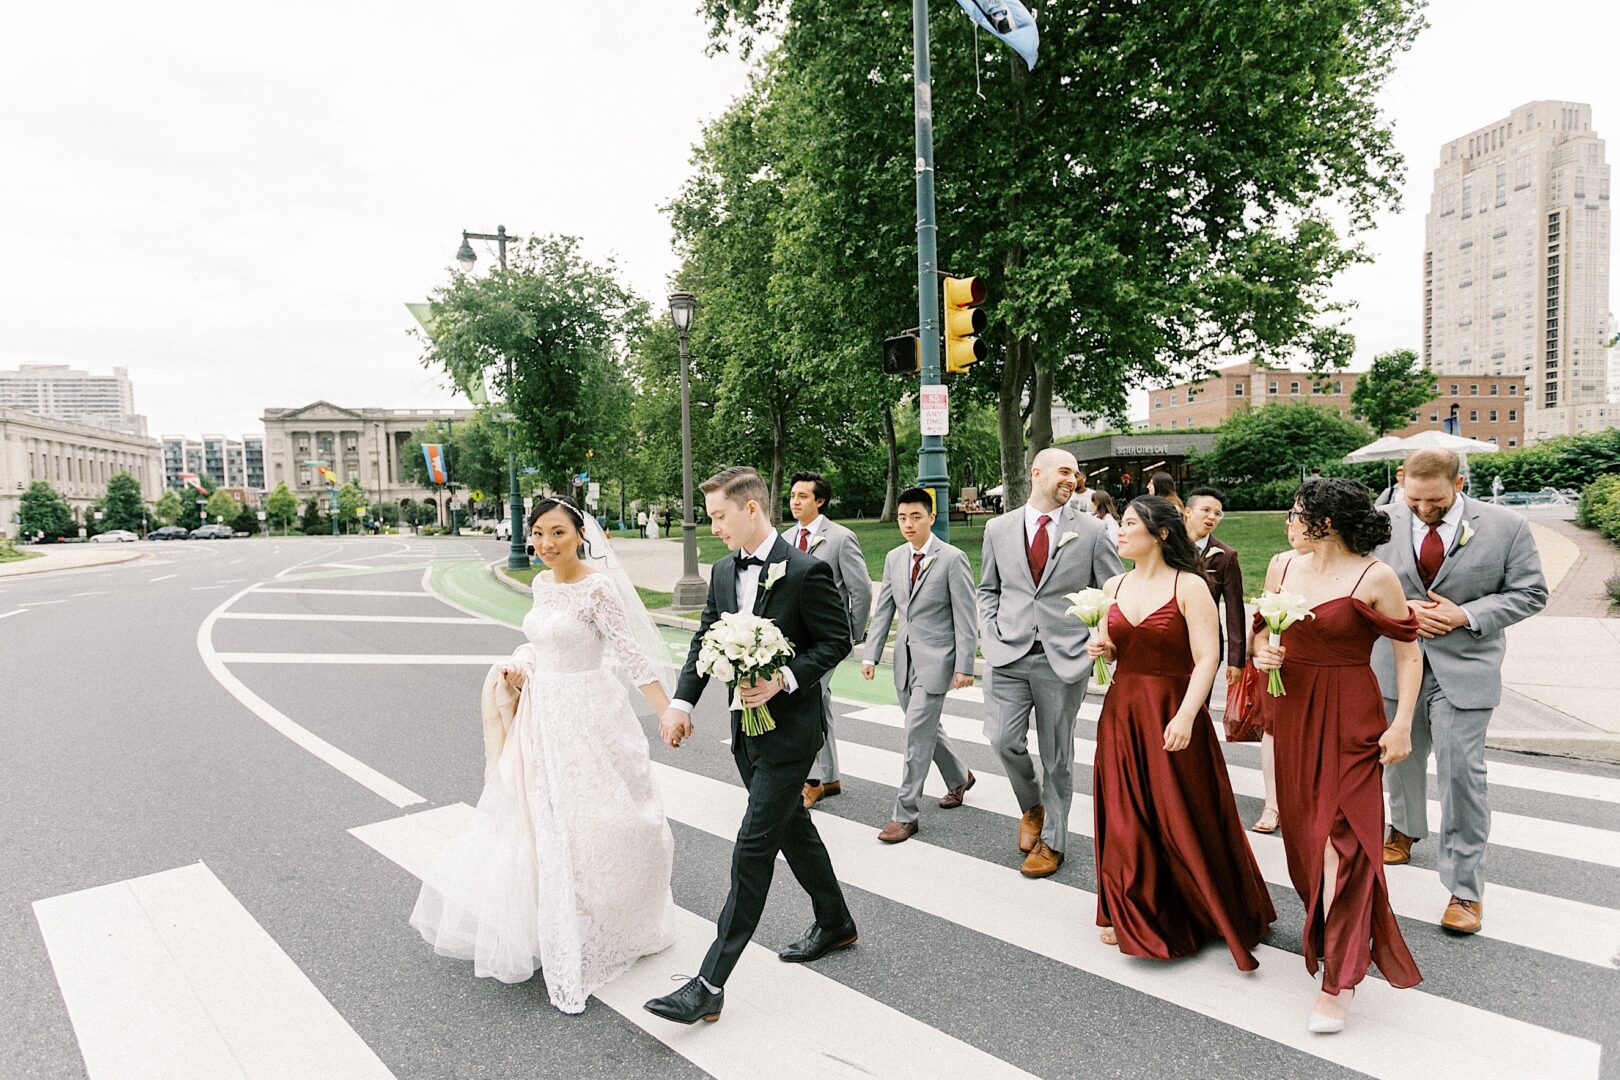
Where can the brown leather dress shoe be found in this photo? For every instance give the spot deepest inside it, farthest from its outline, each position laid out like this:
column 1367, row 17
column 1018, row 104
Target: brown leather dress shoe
column 896, row 831
column 953, row 798
column 1397, row 848
column 1029, row 828
column 814, row 793
column 1042, row 861
column 1463, row 916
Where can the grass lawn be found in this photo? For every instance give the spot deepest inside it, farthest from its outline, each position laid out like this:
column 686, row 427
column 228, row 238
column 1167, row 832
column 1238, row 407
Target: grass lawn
column 1257, row 536
column 9, row 552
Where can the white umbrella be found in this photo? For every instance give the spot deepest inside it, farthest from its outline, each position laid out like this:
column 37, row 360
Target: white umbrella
column 1435, row 439
column 1390, row 446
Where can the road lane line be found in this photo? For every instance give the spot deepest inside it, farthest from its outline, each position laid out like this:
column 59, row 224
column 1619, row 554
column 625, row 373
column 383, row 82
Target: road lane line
column 852, row 1035
column 349, row 766
column 345, row 592
column 19, row 611
column 168, row 975
column 1391, row 1031
column 429, row 659
column 165, row 577
column 93, row 592
column 1552, row 924
column 267, row 616
column 1562, row 839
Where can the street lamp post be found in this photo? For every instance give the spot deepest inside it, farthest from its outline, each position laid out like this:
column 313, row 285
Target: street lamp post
column 517, row 556
column 690, row 591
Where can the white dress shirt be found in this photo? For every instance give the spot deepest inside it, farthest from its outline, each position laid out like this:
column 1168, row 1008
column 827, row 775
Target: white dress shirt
column 747, row 593
column 1448, row 532
column 1203, row 545
column 912, row 551
column 1032, row 517
column 813, row 528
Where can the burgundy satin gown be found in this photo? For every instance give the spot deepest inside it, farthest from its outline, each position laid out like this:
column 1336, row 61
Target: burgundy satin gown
column 1174, row 868
column 1330, row 787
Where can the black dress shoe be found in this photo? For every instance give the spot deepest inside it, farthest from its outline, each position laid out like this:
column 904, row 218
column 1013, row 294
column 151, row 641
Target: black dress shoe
column 689, row 1004
column 817, row 943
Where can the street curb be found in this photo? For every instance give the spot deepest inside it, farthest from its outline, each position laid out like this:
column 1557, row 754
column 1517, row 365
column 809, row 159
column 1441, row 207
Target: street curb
column 497, row 571
column 27, row 567
column 1597, row 746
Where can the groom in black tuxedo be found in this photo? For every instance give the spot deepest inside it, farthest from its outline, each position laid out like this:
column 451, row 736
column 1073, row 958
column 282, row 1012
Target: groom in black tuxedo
column 770, row 578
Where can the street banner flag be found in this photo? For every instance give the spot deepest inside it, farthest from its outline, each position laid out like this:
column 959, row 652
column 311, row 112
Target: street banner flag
column 193, row 480
column 327, row 474
column 433, row 454
column 1008, row 20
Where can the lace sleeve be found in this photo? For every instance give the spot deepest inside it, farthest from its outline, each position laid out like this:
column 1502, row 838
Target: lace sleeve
column 607, row 616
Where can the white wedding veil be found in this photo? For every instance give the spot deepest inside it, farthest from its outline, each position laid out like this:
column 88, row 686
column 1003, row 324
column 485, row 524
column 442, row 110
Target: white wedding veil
column 600, row 555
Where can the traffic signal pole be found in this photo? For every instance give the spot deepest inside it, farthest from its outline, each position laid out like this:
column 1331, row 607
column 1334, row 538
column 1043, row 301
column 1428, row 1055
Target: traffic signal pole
column 931, row 465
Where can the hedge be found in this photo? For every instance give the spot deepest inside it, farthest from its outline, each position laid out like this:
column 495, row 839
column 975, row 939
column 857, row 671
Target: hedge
column 1569, row 461
column 1600, row 507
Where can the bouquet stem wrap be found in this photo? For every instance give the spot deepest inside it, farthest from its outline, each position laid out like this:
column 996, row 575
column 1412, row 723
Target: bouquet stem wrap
column 1280, row 610
column 739, row 648
column 1090, row 606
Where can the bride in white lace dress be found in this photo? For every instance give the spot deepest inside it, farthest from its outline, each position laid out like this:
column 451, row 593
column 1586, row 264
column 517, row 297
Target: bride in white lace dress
column 566, row 866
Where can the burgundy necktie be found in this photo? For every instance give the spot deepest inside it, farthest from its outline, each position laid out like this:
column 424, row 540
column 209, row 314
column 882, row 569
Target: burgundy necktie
column 1430, row 556
column 804, row 538
column 916, row 567
column 1039, row 548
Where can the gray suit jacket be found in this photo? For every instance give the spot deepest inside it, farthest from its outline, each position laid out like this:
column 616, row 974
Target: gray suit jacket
column 937, row 635
column 1014, row 612
column 1496, row 575
column 837, row 546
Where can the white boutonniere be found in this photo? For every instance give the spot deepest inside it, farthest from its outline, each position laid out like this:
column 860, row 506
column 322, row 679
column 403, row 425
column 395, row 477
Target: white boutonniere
column 1465, row 533
column 817, row 542
column 926, row 563
column 777, row 572
column 1065, row 538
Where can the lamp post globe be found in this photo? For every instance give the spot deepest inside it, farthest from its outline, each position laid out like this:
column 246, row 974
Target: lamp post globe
column 682, row 306
column 466, row 257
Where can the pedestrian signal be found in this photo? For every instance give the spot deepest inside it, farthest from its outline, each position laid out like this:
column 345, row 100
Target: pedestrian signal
column 964, row 322
column 902, row 354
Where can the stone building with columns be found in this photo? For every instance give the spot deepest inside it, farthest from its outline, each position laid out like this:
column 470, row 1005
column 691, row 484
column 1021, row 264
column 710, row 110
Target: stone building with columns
column 76, row 459
column 366, row 445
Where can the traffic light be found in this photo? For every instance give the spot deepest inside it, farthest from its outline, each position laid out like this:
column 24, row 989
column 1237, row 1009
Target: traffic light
column 964, row 322
column 902, row 354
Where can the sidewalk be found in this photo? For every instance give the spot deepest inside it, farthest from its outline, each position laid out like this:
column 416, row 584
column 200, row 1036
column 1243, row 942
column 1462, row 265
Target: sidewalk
column 1582, row 560
column 71, row 557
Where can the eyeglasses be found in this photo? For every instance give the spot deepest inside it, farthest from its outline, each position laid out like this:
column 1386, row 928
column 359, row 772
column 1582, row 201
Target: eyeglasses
column 1295, row 515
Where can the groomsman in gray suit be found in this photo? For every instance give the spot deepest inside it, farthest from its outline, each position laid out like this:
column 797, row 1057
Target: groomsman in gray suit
column 1470, row 570
column 1036, row 651
column 929, row 585
column 818, row 535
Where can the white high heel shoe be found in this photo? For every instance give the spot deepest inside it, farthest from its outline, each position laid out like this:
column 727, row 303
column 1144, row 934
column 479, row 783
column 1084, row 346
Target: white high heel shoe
column 1330, row 1025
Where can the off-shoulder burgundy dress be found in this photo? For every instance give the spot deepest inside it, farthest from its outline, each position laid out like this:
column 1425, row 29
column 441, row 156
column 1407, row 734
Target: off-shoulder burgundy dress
column 1174, row 867
column 1330, row 787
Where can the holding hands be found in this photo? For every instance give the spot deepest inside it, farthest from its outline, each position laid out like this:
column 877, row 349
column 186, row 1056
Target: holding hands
column 1437, row 616
column 674, row 727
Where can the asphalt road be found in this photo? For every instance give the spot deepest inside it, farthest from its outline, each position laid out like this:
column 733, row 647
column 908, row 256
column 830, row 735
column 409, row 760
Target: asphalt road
column 181, row 893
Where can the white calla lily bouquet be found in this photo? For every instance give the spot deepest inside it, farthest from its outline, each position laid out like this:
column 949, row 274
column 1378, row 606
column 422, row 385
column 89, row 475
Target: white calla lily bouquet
column 740, row 647
column 1280, row 610
column 1090, row 606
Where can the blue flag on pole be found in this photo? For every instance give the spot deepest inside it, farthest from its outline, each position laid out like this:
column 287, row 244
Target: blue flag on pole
column 1008, row 20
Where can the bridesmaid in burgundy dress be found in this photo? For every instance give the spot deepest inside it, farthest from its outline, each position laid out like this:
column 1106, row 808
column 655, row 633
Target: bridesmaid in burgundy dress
column 1332, row 739
column 1174, row 869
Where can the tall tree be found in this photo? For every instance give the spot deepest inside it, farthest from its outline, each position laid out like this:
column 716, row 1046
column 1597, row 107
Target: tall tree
column 1278, row 442
column 562, row 320
column 352, row 498
column 43, row 510
column 168, row 508
column 1389, row 394
column 122, row 507
column 281, row 507
column 190, row 511
column 1154, row 197
column 222, row 509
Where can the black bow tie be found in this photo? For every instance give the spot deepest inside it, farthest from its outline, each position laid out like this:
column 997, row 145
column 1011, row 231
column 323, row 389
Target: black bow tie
column 745, row 561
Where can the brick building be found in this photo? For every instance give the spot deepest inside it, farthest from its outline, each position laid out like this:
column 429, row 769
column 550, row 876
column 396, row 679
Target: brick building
column 1489, row 407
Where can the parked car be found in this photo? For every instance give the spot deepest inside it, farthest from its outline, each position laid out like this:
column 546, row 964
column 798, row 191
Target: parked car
column 212, row 532
column 503, row 529
column 114, row 536
column 168, row 532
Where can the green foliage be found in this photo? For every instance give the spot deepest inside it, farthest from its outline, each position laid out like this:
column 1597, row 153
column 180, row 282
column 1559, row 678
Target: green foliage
column 246, row 521
column 385, row 512
column 222, row 509
column 44, row 511
column 1570, row 461
column 1389, row 394
column 351, row 499
column 190, row 516
column 314, row 522
column 122, row 506
column 477, row 450
column 1156, row 195
column 1261, row 453
column 560, row 320
column 419, row 513
column 1600, row 507
column 281, row 507
column 167, row 509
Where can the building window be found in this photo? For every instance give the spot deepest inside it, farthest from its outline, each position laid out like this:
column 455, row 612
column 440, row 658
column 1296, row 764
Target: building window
column 1493, row 416
column 1473, row 389
column 1513, row 389
column 1173, row 422
column 1434, row 416
column 1271, row 388
column 1293, row 388
column 1513, row 416
column 1158, row 403
column 1338, row 386
column 1453, row 389
column 1493, row 389
column 1173, row 400
column 1513, row 442
column 1237, row 390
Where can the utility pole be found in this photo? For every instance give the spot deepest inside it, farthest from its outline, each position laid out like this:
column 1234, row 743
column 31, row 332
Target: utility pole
column 931, row 464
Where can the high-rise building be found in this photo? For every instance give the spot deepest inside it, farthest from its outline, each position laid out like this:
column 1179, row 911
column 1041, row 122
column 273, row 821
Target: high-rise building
column 228, row 463
column 1516, row 263
column 180, row 455
column 63, row 393
column 253, row 457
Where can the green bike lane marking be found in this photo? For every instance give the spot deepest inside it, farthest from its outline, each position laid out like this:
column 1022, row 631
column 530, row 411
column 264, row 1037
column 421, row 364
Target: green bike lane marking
column 472, row 585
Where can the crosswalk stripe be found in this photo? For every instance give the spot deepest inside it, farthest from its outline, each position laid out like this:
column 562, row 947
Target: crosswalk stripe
column 1551, row 924
column 267, row 616
column 1390, row 1033
column 851, row 1035
column 1560, row 838
column 431, row 659
column 348, row 592
column 169, row 976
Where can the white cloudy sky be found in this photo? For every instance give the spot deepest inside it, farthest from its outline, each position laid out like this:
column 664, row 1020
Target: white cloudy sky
column 235, row 207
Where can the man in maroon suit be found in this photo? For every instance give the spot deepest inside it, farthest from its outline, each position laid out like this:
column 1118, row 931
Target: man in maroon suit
column 1205, row 508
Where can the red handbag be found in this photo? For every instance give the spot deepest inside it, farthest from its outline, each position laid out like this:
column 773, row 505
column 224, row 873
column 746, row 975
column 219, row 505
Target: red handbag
column 1242, row 716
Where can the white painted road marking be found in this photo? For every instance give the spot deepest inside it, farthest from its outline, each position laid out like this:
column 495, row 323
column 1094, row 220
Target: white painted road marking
column 426, row 659
column 266, row 616
column 168, row 976
column 165, row 577
column 19, row 611
column 347, row 592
